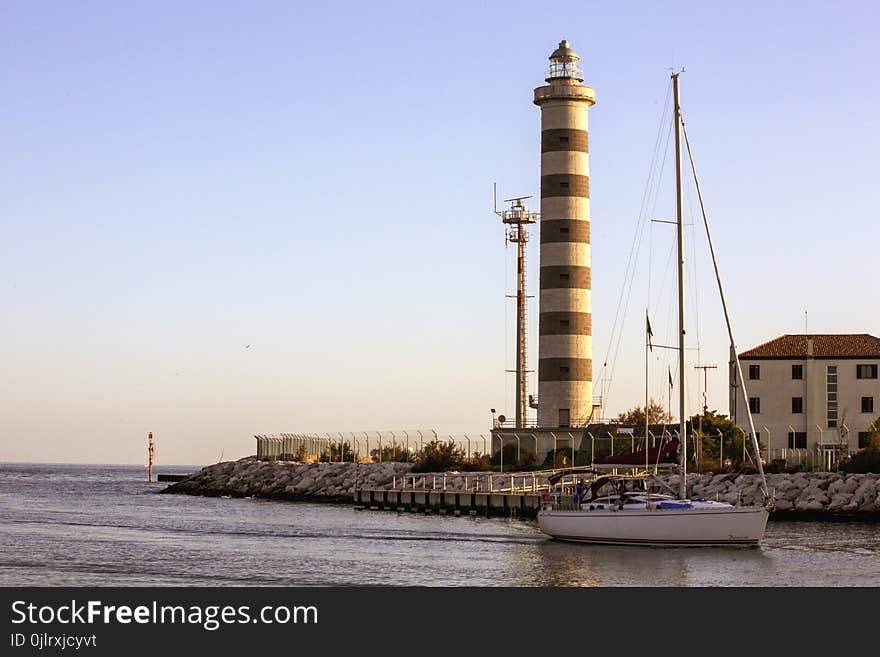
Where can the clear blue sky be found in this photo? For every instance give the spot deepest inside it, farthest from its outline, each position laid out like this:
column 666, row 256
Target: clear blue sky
column 181, row 180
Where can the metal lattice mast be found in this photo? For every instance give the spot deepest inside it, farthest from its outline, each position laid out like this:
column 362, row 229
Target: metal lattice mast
column 517, row 218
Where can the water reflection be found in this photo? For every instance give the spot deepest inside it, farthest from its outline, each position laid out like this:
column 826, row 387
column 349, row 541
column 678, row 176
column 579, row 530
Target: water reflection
column 574, row 564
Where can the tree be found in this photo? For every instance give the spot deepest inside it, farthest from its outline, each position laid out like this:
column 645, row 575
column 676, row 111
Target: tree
column 713, row 422
column 391, row 453
column 636, row 416
column 437, row 456
column 337, row 453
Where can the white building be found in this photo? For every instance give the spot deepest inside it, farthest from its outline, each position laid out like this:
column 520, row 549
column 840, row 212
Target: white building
column 811, row 396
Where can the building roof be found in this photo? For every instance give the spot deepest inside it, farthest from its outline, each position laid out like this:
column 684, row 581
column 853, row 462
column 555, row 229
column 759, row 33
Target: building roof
column 842, row 345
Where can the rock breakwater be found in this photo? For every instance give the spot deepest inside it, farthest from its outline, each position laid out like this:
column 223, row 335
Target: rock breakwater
column 802, row 494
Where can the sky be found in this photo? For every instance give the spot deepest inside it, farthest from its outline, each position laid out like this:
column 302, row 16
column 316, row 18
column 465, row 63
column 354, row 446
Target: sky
column 228, row 218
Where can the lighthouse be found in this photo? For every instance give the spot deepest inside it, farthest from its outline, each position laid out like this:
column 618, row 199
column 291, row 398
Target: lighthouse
column 565, row 343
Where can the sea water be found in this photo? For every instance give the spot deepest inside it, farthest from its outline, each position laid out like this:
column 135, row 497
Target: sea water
column 106, row 525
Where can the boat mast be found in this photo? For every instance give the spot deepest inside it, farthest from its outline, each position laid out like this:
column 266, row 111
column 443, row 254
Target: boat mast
column 682, row 416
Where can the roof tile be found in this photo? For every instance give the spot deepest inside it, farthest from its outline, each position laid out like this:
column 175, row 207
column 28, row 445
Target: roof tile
column 844, row 345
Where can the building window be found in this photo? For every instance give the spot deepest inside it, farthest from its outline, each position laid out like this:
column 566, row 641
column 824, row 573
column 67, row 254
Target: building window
column 797, row 404
column 831, row 395
column 564, row 185
column 563, row 140
column 563, row 369
column 866, row 371
column 754, row 372
column 563, row 277
column 564, row 417
column 563, row 323
column 564, row 230
column 755, row 404
column 864, row 439
column 797, row 371
column 867, row 404
column 797, row 440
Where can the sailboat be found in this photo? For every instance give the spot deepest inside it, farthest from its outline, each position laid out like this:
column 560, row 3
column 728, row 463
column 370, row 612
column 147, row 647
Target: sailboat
column 613, row 510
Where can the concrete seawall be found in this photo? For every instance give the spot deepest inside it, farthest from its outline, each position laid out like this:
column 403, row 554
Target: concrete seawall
column 800, row 495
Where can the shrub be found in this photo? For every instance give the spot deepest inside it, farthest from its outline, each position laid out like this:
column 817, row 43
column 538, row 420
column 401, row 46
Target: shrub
column 867, row 460
column 437, row 456
column 526, row 459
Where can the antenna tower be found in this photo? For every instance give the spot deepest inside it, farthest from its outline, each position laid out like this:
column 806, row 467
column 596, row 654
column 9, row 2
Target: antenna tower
column 516, row 219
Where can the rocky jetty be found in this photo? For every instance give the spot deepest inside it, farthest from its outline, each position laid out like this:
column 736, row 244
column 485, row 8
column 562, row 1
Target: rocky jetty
column 814, row 494
column 284, row 480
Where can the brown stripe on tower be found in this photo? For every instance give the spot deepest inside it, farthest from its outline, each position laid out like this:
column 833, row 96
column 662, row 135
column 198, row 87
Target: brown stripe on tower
column 565, row 184
column 565, row 230
column 556, row 276
column 564, row 139
column 565, row 323
column 565, row 369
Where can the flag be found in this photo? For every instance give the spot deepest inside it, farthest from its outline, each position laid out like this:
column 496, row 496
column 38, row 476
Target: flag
column 650, row 332
column 669, row 369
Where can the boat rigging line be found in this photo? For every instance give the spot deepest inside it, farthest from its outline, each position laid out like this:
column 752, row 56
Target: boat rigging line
column 753, row 434
column 652, row 186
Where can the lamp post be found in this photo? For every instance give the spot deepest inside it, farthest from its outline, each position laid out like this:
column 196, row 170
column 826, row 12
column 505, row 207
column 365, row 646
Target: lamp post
column 406, row 434
column 516, row 435
column 492, row 410
column 554, row 449
column 467, row 438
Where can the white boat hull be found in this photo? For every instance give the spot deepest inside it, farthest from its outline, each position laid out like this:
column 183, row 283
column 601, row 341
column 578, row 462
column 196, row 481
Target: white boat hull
column 667, row 527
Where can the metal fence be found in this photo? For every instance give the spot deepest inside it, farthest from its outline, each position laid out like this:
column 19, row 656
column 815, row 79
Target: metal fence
column 373, row 446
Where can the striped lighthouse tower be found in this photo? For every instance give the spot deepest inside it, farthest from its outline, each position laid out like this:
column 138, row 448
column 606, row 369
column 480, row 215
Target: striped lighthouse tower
column 565, row 348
